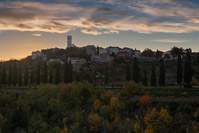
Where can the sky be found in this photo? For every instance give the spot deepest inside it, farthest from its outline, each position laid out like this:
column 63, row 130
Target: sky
column 31, row 25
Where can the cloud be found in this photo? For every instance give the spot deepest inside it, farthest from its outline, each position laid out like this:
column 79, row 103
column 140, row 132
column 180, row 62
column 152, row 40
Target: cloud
column 104, row 17
column 170, row 41
column 37, row 35
column 91, row 31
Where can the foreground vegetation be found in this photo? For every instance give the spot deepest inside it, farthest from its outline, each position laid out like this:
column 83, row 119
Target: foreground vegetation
column 80, row 107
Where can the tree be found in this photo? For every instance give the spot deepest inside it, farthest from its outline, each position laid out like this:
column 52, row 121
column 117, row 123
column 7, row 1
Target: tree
column 130, row 88
column 3, row 76
column 70, row 72
column 15, row 74
column 145, row 79
column 148, row 53
column 57, row 75
column 45, row 73
column 95, row 122
column 128, row 73
column 106, row 76
column 32, row 78
column 179, row 69
column 10, row 75
column 20, row 76
column 162, row 74
column 26, row 77
column 157, row 122
column 66, row 72
column 97, row 50
column 153, row 76
column 38, row 74
column 157, row 54
column 188, row 73
column 51, row 76
column 135, row 76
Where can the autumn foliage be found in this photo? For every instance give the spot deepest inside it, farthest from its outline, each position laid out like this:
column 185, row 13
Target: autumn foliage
column 146, row 100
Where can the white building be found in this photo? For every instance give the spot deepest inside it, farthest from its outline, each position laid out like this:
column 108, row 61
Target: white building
column 102, row 58
column 128, row 50
column 69, row 41
column 136, row 53
column 77, row 62
column 102, row 51
column 36, row 54
column 55, row 60
column 112, row 50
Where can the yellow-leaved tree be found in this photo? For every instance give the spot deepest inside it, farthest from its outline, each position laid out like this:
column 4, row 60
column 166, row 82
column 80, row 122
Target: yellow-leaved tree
column 157, row 122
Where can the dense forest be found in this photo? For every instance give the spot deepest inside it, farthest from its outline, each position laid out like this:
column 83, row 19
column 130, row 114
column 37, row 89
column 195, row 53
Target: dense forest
column 81, row 107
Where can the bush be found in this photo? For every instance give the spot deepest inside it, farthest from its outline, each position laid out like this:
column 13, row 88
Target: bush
column 131, row 88
column 146, row 100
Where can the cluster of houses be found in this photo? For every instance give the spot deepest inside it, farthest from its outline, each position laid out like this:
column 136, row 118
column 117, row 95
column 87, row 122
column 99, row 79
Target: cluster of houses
column 102, row 55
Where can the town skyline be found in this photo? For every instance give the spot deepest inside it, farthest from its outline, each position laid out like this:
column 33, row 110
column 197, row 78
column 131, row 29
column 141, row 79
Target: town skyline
column 154, row 24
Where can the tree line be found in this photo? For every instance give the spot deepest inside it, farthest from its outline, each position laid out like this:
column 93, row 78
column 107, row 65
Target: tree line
column 15, row 75
column 188, row 72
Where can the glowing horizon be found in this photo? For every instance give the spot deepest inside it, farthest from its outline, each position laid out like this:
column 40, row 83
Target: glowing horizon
column 31, row 25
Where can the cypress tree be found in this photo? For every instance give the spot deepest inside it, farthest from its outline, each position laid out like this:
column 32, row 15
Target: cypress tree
column 153, row 76
column 20, row 76
column 38, row 74
column 45, row 73
column 106, row 76
column 26, row 77
column 97, row 50
column 15, row 74
column 32, row 77
column 128, row 73
column 145, row 79
column 157, row 54
column 188, row 73
column 51, row 76
column 179, row 69
column 66, row 72
column 57, row 75
column 162, row 74
column 135, row 76
column 10, row 75
column 70, row 72
column 3, row 76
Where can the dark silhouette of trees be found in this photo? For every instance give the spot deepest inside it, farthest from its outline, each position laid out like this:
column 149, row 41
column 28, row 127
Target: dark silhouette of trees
column 20, row 76
column 51, row 76
column 3, row 75
column 153, row 76
column 10, row 75
column 57, row 75
column 188, row 73
column 15, row 74
column 66, row 72
column 135, row 76
column 97, row 50
column 38, row 74
column 145, row 79
column 26, row 77
column 32, row 77
column 157, row 54
column 106, row 75
column 128, row 73
column 162, row 74
column 45, row 73
column 70, row 72
column 148, row 53
column 179, row 69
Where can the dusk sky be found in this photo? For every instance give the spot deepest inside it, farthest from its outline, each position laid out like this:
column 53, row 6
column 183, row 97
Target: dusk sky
column 27, row 26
